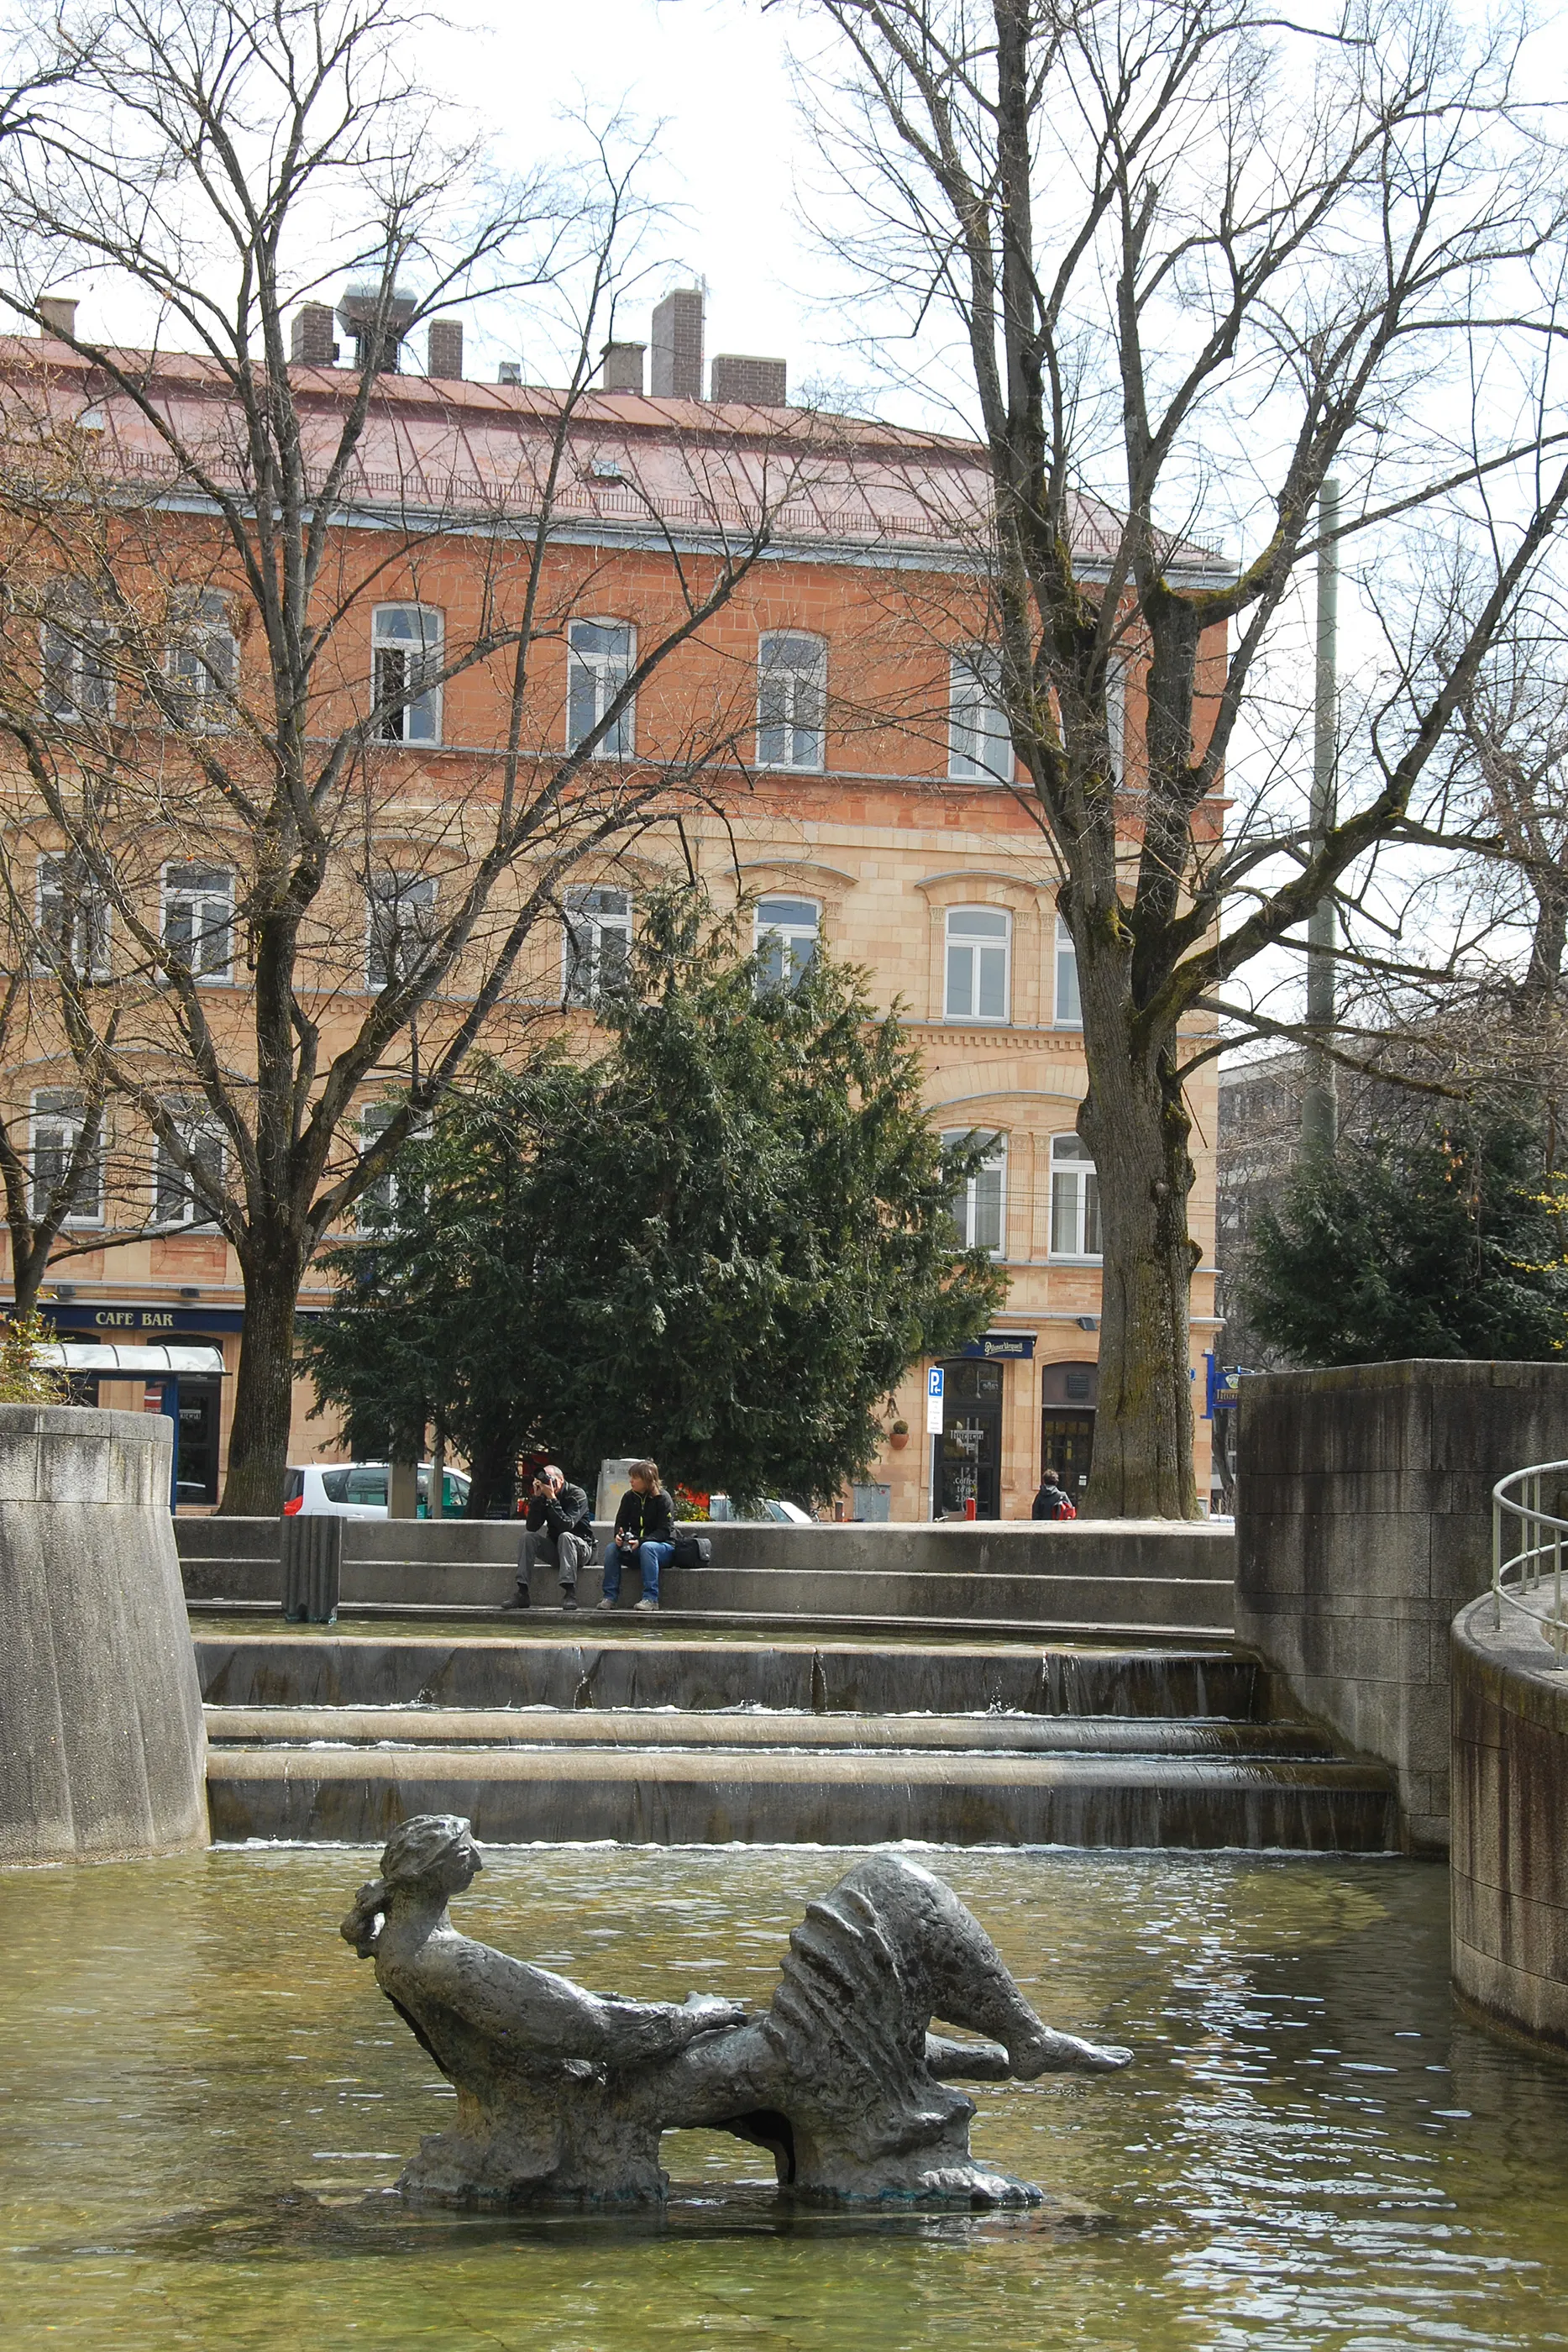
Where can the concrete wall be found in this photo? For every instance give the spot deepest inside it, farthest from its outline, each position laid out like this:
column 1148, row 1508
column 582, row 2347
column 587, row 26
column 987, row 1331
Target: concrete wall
column 1117, row 1573
column 1363, row 1522
column 102, row 1750
column 1509, row 1867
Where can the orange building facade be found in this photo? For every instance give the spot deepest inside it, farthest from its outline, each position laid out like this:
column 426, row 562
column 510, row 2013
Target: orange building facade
column 851, row 782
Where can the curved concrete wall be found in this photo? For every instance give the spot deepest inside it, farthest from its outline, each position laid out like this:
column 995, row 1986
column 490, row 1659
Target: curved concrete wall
column 102, row 1749
column 1510, row 1859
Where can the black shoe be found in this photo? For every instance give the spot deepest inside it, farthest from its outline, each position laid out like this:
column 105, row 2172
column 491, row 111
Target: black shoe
column 568, row 1599
column 518, row 1600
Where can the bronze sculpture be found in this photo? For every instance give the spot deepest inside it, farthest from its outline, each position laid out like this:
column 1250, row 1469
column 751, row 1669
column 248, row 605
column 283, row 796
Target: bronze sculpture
column 563, row 2093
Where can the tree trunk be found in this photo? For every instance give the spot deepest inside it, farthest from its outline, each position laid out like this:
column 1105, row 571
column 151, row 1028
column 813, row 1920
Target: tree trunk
column 1136, row 1129
column 263, row 1386
column 31, row 1264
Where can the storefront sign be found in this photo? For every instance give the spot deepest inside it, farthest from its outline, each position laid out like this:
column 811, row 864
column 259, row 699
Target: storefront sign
column 141, row 1322
column 1018, row 1345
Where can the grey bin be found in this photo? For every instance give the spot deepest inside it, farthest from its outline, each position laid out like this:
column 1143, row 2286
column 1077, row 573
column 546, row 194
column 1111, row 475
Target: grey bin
column 310, row 1553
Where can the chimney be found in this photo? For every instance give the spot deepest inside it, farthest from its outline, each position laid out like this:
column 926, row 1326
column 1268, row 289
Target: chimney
column 622, row 368
column 761, row 383
column 311, row 342
column 357, row 314
column 678, row 345
column 446, row 349
column 58, row 314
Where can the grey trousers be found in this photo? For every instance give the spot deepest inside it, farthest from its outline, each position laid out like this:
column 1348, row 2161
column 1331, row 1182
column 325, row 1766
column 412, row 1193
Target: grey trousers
column 565, row 1554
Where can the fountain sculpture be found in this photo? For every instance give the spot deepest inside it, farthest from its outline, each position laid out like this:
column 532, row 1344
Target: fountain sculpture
column 562, row 2094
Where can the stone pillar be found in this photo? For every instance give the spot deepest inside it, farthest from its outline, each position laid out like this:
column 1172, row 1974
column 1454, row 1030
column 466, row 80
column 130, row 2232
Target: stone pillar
column 102, row 1748
column 1510, row 1868
column 1364, row 1523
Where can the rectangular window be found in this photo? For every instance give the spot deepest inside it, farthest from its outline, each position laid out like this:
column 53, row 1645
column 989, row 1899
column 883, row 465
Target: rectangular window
column 1068, row 1004
column 786, row 940
column 401, row 926
column 406, row 643
column 77, row 676
column 377, row 1206
column 58, row 1123
column 597, row 944
column 791, row 701
column 601, row 657
column 979, row 739
column 198, row 919
column 73, row 919
column 979, row 941
column 979, row 1211
column 1074, row 1200
column 187, row 1180
column 202, row 664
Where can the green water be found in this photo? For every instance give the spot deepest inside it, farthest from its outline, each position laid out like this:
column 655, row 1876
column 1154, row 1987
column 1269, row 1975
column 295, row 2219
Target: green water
column 204, row 2099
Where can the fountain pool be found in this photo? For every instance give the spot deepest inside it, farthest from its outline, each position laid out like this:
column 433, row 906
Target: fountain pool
column 205, row 2099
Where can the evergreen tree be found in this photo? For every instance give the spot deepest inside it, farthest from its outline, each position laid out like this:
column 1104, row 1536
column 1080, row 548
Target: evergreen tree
column 1450, row 1244
column 722, row 1243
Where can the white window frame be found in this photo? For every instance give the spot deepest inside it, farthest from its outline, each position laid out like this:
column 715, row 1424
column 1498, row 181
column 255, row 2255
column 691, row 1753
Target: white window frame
column 209, row 894
column 592, row 912
column 385, row 961
column 980, row 736
column 89, row 954
column 201, row 665
column 73, row 645
column 373, row 1121
column 1117, row 672
column 1074, row 1202
column 65, row 1110
column 792, row 701
column 795, row 938
column 596, row 671
column 203, row 1137
column 984, row 1200
column 960, row 1004
column 1067, row 1001
column 414, row 638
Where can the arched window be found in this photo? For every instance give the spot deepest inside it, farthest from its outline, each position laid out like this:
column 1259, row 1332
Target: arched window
column 1069, row 1003
column 786, row 939
column 601, row 657
column 1074, row 1200
column 979, row 739
column 791, row 700
column 978, row 982
column 405, row 650
column 980, row 1211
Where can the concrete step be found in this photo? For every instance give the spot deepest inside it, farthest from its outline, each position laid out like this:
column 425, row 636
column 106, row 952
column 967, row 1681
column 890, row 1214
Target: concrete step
column 311, row 1669
column 674, row 1796
column 636, row 1728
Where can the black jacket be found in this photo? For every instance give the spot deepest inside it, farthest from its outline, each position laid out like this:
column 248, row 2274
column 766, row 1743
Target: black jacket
column 566, row 1514
column 647, row 1516
column 1048, row 1501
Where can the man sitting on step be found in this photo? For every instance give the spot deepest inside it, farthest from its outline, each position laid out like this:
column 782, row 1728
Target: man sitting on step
column 557, row 1526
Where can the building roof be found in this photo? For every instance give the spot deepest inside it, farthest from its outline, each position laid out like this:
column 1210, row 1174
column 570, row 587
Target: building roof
column 467, row 451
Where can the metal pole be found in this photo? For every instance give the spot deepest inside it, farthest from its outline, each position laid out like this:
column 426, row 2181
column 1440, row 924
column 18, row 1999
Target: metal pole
column 1320, row 1109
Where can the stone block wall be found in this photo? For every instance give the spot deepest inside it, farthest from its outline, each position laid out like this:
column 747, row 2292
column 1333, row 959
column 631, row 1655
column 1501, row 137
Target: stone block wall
column 102, row 1748
column 1364, row 1523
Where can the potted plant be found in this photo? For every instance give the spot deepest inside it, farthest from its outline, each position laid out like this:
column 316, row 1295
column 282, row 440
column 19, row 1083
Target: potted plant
column 898, row 1436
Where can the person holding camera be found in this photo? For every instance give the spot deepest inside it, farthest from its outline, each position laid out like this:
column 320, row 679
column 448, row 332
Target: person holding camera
column 644, row 1535
column 557, row 1525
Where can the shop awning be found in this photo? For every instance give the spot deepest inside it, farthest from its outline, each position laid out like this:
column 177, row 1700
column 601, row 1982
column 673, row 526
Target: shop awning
column 127, row 1362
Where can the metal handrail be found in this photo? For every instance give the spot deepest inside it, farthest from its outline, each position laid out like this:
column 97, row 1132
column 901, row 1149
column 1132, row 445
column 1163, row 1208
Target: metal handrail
column 1539, row 1561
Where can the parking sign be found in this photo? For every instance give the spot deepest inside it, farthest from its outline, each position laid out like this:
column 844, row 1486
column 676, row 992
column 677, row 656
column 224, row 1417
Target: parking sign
column 935, row 1381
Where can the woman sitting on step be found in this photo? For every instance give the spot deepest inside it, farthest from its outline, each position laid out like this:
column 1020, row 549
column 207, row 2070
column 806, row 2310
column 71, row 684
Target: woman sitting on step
column 644, row 1535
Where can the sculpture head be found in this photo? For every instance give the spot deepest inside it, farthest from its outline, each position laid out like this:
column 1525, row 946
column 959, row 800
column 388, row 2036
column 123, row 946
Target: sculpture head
column 431, row 1855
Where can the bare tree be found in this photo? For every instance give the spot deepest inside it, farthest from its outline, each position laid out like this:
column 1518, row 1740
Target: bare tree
column 302, row 902
column 1181, row 260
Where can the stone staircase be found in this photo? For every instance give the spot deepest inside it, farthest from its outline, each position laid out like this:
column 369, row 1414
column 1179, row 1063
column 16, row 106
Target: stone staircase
column 656, row 1739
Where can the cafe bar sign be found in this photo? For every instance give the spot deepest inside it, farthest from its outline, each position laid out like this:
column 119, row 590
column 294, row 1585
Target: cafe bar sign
column 142, row 1322
column 1018, row 1345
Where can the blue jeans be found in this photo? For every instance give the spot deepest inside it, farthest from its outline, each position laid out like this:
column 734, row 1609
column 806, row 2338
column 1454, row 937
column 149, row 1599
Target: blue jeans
column 648, row 1558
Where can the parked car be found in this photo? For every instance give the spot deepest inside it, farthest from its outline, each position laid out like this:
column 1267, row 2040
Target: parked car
column 358, row 1490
